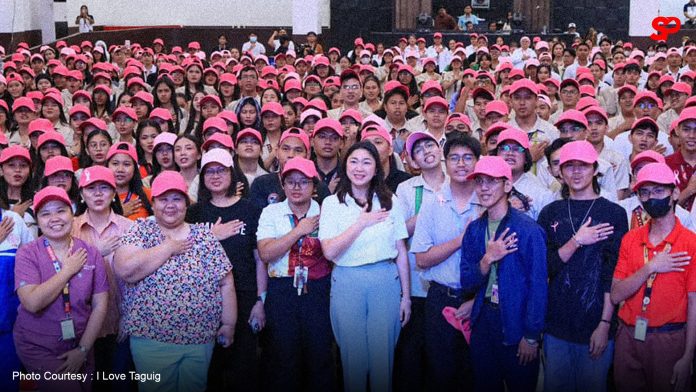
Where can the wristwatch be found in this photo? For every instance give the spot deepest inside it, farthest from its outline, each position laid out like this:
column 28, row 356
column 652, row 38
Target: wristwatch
column 262, row 297
column 531, row 342
column 82, row 349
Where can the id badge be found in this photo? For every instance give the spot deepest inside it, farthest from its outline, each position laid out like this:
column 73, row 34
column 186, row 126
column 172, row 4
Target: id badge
column 494, row 294
column 641, row 328
column 300, row 279
column 67, row 328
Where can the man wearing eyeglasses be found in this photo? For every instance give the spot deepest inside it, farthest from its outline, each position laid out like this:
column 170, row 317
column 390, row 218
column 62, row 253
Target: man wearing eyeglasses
column 570, row 95
column 351, row 92
column 504, row 262
column 524, row 94
column 655, row 281
column 645, row 104
column 677, row 96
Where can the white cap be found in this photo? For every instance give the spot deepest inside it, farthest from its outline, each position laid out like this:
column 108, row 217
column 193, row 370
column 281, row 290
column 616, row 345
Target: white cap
column 571, row 25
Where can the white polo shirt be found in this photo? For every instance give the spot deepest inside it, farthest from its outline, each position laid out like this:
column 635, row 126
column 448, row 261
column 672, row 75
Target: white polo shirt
column 375, row 243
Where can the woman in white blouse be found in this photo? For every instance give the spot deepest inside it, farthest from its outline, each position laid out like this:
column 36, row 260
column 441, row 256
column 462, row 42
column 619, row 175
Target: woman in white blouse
column 362, row 230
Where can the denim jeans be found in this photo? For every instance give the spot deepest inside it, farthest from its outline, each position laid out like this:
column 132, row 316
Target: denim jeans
column 569, row 367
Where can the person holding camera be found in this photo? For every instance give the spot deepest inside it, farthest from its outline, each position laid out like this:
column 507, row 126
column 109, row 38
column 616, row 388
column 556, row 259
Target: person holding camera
column 85, row 20
column 281, row 41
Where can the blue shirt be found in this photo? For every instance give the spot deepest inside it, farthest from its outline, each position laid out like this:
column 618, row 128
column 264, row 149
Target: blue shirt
column 522, row 276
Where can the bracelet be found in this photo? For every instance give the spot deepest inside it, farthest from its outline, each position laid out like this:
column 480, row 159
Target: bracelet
column 605, row 321
column 577, row 242
column 82, row 349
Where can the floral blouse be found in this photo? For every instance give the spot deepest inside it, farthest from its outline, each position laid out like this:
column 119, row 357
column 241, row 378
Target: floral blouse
column 180, row 302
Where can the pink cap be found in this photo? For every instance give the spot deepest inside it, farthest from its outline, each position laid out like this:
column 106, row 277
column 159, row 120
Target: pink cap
column 461, row 117
column 228, row 116
column 50, row 193
column 273, row 107
column 376, row 130
column 598, row 110
column 309, row 113
column 492, row 166
column 96, row 173
column 215, row 122
column 687, row 114
column 586, row 102
column 435, row 101
column 328, row 123
column 352, row 113
column 587, row 91
column 161, row 113
column 647, row 155
column 129, row 112
column 249, row 132
column 123, row 148
column 14, row 152
column 292, row 84
column 524, row 84
column 23, row 102
column 626, row 87
column 647, row 95
column 516, row 72
column 514, row 134
column 303, row 165
column 658, row 173
column 165, row 138
column 298, row 133
column 680, row 87
column 57, row 98
column 217, row 155
column 395, row 84
column 586, row 77
column 497, row 107
column 219, row 137
column 579, row 150
column 211, row 98
column 50, row 136
column 102, row 87
column 40, row 125
column 572, row 115
column 664, row 79
column 168, row 180
column 95, row 122
column 645, row 121
column 414, row 138
column 58, row 164
column 317, row 104
column 136, row 80
column 431, row 85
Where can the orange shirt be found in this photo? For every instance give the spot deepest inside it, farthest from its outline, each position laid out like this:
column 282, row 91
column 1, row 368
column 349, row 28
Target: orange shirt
column 669, row 299
column 141, row 212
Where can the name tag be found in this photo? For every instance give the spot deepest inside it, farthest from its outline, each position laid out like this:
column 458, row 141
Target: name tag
column 641, row 328
column 494, row 294
column 67, row 328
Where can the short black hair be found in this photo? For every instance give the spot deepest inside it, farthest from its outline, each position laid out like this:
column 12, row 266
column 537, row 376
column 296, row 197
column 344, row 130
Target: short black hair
column 458, row 139
column 632, row 67
column 646, row 125
column 311, row 33
column 555, row 146
column 570, row 51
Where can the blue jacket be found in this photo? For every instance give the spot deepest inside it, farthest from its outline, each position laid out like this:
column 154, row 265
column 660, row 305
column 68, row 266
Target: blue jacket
column 522, row 277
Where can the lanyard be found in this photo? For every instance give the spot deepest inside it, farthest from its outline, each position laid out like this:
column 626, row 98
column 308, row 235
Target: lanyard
column 293, row 223
column 57, row 267
column 419, row 198
column 651, row 280
column 128, row 197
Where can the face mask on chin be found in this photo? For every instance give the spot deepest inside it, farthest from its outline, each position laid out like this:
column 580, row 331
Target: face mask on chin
column 657, row 208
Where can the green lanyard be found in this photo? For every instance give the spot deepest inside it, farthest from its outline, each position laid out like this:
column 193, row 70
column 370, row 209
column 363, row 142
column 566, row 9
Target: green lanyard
column 419, row 197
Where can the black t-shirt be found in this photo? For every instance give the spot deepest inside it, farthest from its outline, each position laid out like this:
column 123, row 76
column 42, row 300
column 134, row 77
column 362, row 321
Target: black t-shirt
column 239, row 248
column 395, row 177
column 267, row 190
column 577, row 287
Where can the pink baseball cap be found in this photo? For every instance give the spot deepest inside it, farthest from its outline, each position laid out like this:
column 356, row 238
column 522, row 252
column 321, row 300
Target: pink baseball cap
column 298, row 133
column 647, row 95
column 309, row 113
column 302, row 165
column 328, row 123
column 123, row 148
column 58, row 164
column 273, row 107
column 688, row 113
column 211, row 98
column 228, row 116
column 395, row 84
column 579, row 150
column 249, row 132
column 352, row 113
column 40, row 125
column 461, row 117
column 431, row 85
column 136, row 80
column 492, row 166
column 164, row 138
column 435, row 101
column 95, row 122
column 524, row 84
column 414, row 138
column 96, row 173
column 646, row 121
column 217, row 155
column 50, row 193
column 51, row 136
column 317, row 104
column 598, row 110
column 516, row 135
column 376, row 130
column 647, row 155
column 215, row 122
column 219, row 137
column 129, row 112
column 586, row 102
column 679, row 87
column 658, row 173
column 14, row 152
column 572, row 115
column 23, row 102
column 168, row 180
column 497, row 107
column 161, row 113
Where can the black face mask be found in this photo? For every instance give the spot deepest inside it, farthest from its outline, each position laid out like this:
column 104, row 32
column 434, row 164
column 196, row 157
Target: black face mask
column 657, row 208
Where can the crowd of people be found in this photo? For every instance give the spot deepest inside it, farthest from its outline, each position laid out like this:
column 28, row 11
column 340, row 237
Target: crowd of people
column 424, row 216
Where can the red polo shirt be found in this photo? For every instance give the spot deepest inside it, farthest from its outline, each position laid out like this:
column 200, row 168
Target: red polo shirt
column 682, row 172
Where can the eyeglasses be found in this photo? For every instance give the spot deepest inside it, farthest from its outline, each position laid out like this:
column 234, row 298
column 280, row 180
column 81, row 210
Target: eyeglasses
column 487, row 181
column 511, row 147
column 302, row 184
column 123, row 120
column 79, row 117
column 453, row 159
column 430, row 95
column 569, row 92
column 660, row 192
column 312, row 84
column 571, row 129
column 330, row 136
column 350, row 87
column 460, row 128
column 215, row 171
column 646, row 105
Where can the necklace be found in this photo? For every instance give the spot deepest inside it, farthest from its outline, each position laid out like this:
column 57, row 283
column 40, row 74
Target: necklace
column 582, row 222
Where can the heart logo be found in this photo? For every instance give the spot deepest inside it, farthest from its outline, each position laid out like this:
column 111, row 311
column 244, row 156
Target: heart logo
column 665, row 26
